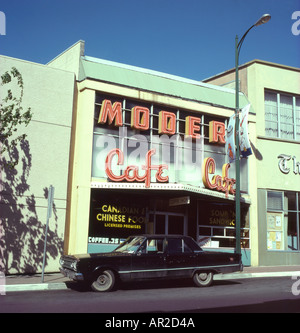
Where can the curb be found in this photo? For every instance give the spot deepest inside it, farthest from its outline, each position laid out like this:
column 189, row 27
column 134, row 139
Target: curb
column 34, row 287
column 237, row 276
column 218, row 277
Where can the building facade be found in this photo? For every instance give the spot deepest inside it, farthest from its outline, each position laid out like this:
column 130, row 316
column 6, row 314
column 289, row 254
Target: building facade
column 274, row 92
column 147, row 150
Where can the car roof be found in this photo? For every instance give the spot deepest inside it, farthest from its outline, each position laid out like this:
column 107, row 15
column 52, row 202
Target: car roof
column 160, row 236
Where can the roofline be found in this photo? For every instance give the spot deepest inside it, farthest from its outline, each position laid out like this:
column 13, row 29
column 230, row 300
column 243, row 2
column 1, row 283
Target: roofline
column 32, row 63
column 232, row 108
column 81, row 42
column 250, row 63
column 157, row 73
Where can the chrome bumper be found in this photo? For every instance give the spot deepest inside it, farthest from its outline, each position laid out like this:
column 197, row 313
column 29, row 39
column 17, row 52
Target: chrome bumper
column 71, row 274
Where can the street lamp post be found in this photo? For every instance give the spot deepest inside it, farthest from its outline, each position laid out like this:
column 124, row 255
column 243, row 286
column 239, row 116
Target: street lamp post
column 238, row 44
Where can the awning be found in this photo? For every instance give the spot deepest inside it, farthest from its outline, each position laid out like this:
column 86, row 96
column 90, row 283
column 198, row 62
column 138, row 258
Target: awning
column 169, row 187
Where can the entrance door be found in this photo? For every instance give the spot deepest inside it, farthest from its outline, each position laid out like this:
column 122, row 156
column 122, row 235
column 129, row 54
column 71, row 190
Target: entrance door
column 170, row 224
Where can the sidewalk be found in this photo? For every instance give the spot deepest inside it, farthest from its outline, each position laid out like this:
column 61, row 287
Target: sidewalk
column 52, row 281
column 56, row 281
column 262, row 272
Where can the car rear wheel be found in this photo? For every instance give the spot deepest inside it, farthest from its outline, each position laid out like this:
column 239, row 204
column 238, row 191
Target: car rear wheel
column 104, row 281
column 203, row 279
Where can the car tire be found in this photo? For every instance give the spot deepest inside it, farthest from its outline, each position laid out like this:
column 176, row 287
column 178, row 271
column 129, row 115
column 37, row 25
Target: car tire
column 104, row 281
column 203, row 279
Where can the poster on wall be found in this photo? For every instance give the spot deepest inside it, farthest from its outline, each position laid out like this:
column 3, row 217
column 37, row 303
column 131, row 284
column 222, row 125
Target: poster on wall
column 114, row 217
column 275, row 239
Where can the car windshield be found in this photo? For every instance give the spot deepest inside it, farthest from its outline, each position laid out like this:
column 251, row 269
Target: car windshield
column 130, row 245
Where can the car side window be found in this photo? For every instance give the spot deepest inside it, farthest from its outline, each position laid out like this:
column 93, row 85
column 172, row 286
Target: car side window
column 175, row 245
column 186, row 248
column 153, row 246
column 178, row 245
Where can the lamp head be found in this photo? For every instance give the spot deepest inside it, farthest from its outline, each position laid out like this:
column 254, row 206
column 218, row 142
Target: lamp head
column 264, row 19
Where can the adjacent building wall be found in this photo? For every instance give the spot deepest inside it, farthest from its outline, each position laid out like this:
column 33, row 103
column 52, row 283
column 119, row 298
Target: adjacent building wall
column 44, row 161
column 256, row 77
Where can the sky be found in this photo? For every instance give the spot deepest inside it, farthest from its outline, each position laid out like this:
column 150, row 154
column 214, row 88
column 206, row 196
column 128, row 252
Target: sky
column 194, row 39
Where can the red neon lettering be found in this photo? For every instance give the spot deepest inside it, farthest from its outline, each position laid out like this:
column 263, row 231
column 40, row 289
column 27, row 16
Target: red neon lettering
column 140, row 118
column 208, row 167
column 219, row 183
column 191, row 127
column 166, row 123
column 216, row 132
column 131, row 173
column 228, row 182
column 113, row 112
column 108, row 161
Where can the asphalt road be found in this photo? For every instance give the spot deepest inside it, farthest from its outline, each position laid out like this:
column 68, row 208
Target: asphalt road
column 265, row 295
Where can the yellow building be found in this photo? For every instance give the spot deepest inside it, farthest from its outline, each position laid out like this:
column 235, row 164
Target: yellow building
column 145, row 148
column 274, row 92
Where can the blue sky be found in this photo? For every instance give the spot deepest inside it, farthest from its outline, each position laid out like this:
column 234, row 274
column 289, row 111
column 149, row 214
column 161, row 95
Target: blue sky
column 190, row 38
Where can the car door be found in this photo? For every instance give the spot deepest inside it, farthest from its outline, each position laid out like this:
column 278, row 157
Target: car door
column 149, row 260
column 179, row 258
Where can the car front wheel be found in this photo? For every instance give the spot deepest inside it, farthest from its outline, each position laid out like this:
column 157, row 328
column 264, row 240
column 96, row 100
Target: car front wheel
column 203, row 279
column 104, row 281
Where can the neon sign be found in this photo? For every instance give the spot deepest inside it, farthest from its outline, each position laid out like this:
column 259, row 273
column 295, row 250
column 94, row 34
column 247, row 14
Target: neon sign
column 220, row 183
column 217, row 132
column 131, row 173
column 166, row 123
column 112, row 113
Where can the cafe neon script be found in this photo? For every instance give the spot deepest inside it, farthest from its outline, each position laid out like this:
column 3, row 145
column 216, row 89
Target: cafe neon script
column 112, row 113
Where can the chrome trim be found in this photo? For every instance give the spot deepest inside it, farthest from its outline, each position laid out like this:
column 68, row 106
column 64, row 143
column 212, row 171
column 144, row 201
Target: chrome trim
column 178, row 268
column 71, row 274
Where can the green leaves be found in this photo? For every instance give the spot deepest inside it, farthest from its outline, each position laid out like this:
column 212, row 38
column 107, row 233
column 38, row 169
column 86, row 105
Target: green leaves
column 12, row 115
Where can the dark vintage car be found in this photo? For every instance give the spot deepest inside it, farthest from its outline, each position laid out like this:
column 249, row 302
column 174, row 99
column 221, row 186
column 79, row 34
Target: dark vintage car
column 149, row 257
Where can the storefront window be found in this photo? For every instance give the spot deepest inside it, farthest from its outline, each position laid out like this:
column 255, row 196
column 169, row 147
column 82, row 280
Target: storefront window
column 283, row 220
column 217, row 226
column 114, row 217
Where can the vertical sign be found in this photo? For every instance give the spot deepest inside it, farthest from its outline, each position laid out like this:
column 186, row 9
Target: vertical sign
column 245, row 147
column 49, row 214
column 230, row 139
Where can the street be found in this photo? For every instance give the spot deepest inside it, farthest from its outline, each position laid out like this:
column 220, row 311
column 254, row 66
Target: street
column 245, row 295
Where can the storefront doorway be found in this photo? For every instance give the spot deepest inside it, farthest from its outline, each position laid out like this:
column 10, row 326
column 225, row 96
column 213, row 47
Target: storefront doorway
column 168, row 223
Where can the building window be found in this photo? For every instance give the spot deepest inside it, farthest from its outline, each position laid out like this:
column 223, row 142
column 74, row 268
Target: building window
column 217, row 226
column 282, row 115
column 283, row 216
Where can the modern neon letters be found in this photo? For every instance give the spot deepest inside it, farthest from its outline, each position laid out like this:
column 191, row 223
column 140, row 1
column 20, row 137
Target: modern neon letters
column 140, row 119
